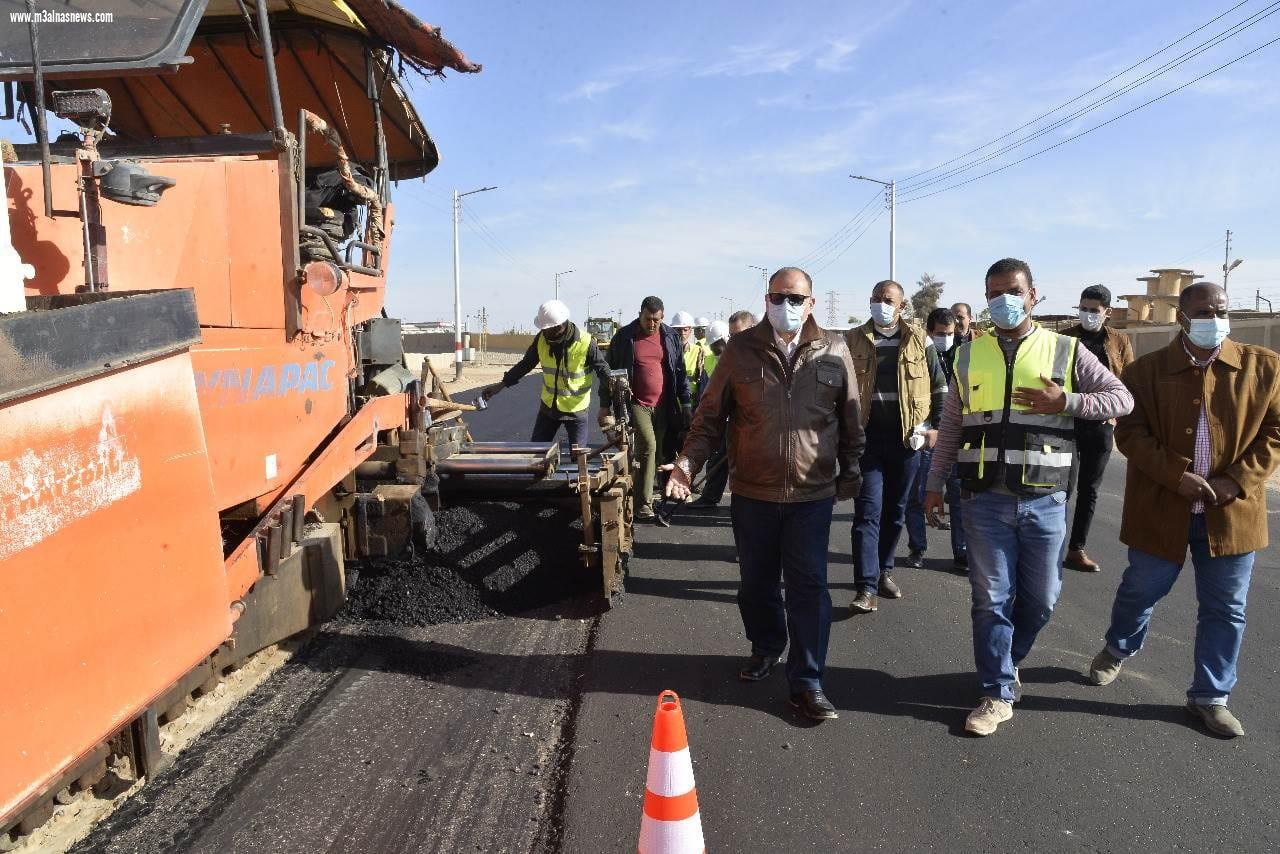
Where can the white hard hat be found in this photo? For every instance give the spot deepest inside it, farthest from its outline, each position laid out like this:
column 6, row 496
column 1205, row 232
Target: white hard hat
column 717, row 330
column 682, row 320
column 702, row 322
column 551, row 313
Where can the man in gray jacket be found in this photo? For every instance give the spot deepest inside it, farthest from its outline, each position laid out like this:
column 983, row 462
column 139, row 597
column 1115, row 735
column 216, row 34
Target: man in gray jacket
column 785, row 397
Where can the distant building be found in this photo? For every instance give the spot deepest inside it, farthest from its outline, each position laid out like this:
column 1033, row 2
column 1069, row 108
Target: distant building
column 1160, row 303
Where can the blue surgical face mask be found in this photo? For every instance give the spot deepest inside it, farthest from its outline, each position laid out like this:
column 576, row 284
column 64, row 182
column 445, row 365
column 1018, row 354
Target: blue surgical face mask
column 1007, row 310
column 943, row 342
column 882, row 314
column 785, row 317
column 1208, row 332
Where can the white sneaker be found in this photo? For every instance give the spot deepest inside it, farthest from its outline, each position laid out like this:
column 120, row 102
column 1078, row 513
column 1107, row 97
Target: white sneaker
column 991, row 712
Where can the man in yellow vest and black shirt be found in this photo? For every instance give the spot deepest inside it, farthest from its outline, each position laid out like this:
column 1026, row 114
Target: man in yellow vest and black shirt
column 697, row 352
column 1008, row 427
column 901, row 385
column 568, row 357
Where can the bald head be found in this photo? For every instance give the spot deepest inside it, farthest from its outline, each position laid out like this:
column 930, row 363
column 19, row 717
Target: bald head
column 791, row 280
column 1200, row 292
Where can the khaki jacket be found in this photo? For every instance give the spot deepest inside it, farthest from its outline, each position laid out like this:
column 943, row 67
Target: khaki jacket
column 914, row 384
column 1116, row 344
column 794, row 430
column 1242, row 387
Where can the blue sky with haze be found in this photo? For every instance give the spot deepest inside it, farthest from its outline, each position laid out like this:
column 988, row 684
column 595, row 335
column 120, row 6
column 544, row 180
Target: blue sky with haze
column 663, row 148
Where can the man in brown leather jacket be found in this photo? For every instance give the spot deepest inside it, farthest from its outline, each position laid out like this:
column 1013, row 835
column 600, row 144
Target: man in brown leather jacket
column 787, row 397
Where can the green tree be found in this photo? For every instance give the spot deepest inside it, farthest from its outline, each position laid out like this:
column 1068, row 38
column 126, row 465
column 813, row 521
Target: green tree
column 854, row 320
column 925, row 299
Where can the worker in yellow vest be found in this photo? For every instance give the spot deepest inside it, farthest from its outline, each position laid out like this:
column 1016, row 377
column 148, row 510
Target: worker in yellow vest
column 1008, row 427
column 568, row 357
column 695, row 352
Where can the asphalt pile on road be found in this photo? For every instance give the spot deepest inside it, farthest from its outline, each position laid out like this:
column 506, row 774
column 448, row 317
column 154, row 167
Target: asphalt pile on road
column 490, row 559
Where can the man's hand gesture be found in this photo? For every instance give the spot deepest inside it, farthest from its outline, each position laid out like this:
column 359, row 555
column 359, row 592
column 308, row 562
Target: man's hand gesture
column 678, row 485
column 1049, row 400
column 935, row 508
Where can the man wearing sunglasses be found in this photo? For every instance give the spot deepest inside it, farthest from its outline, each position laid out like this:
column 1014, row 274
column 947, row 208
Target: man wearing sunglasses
column 785, row 398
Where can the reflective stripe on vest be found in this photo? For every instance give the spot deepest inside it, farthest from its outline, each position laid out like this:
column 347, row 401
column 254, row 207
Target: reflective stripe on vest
column 566, row 384
column 1034, row 452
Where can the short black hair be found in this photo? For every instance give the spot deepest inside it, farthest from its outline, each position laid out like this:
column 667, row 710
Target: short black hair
column 653, row 305
column 743, row 316
column 1099, row 292
column 881, row 284
column 939, row 317
column 1009, row 265
column 1196, row 288
column 781, row 270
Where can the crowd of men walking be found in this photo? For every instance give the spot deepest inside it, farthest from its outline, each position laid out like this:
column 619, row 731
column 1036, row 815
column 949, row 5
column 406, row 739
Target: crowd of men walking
column 987, row 436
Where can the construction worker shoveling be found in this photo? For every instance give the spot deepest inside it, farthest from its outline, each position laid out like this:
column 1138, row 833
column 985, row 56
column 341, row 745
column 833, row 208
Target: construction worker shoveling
column 568, row 357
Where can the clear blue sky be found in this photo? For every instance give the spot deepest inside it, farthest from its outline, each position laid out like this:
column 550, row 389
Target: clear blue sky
column 663, row 148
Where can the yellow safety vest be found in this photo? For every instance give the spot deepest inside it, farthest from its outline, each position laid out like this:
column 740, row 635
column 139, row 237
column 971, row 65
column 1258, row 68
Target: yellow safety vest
column 695, row 361
column 566, row 384
column 999, row 438
column 710, row 362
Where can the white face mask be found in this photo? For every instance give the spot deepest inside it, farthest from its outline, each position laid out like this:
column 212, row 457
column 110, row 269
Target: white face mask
column 943, row 342
column 882, row 314
column 1092, row 320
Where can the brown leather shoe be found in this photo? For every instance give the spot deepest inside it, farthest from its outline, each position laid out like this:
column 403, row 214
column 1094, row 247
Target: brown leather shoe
column 864, row 603
column 1077, row 559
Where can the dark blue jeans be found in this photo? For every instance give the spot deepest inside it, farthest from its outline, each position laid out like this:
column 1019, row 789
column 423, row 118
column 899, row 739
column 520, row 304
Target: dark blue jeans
column 880, row 513
column 545, row 428
column 1222, row 586
column 787, row 543
column 917, row 529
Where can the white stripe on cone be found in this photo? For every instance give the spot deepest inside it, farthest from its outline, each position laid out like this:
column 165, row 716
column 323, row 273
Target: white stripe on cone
column 671, row 837
column 670, row 774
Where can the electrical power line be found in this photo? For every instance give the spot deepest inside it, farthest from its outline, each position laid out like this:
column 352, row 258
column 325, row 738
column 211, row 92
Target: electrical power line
column 850, row 244
column 1077, row 97
column 1181, row 59
column 1095, row 127
column 834, row 239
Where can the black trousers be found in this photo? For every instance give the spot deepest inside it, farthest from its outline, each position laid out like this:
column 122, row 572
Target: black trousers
column 1094, row 443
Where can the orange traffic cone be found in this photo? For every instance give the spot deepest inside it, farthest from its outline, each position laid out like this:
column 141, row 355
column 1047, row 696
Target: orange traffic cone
column 671, row 824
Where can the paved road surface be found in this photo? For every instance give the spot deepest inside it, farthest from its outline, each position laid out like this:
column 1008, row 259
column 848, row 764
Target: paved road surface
column 1079, row 768
column 457, row 738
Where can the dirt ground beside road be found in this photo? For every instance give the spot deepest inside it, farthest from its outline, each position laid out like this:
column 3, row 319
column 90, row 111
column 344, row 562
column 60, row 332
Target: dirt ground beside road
column 488, row 368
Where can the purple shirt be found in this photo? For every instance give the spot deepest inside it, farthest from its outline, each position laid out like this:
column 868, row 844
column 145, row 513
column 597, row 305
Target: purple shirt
column 1204, row 451
column 1099, row 396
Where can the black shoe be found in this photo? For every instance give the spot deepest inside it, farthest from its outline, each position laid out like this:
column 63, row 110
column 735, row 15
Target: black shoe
column 915, row 560
column 703, row 504
column 864, row 603
column 961, row 565
column 889, row 589
column 758, row 667
column 814, row 705
column 944, row 525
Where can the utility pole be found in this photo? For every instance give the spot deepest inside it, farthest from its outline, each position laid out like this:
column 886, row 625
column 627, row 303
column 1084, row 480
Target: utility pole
column 730, row 301
column 833, row 309
column 457, row 281
column 891, row 199
column 589, row 299
column 558, row 275
column 764, row 274
column 1227, row 264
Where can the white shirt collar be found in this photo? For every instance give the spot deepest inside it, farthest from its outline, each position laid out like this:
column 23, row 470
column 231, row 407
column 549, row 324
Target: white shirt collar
column 788, row 349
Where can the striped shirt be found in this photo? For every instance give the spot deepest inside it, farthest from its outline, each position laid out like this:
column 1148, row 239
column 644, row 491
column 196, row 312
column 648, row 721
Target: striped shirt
column 1204, row 450
column 885, row 415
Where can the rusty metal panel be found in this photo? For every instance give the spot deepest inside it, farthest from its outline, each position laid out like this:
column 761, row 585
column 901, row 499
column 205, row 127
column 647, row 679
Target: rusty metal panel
column 112, row 583
column 254, row 251
column 179, row 243
column 266, row 405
